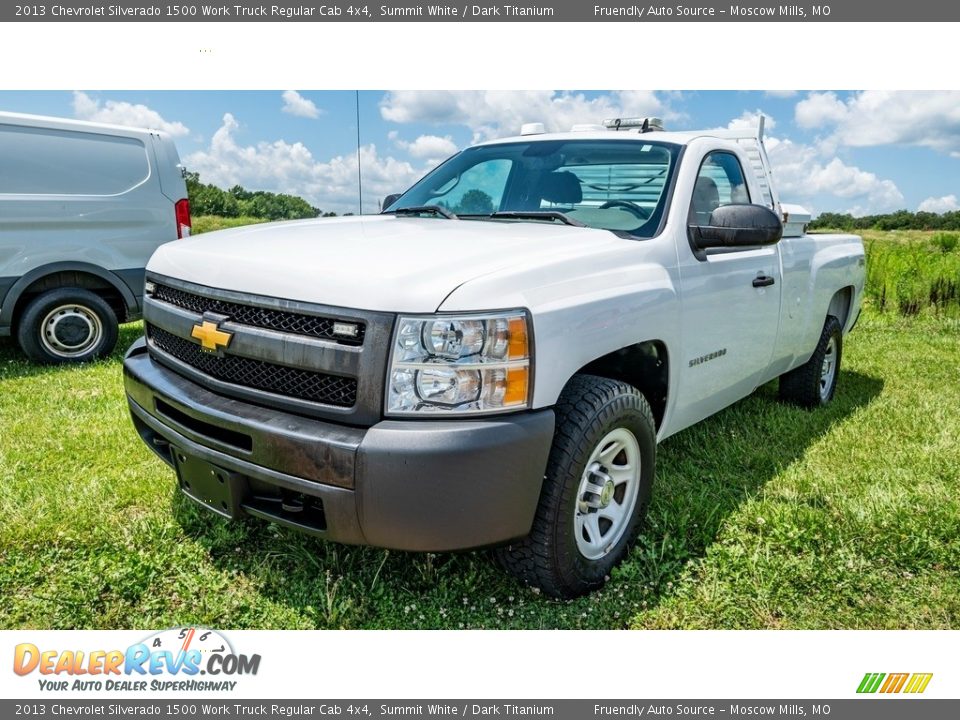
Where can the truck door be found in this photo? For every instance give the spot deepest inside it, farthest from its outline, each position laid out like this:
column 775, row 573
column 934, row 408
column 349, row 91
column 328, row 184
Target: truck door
column 730, row 301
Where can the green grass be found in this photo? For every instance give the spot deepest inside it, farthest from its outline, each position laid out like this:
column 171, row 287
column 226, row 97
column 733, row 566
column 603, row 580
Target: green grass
column 209, row 223
column 764, row 516
column 911, row 272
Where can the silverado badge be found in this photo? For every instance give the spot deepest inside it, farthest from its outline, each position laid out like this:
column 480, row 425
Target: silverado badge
column 211, row 337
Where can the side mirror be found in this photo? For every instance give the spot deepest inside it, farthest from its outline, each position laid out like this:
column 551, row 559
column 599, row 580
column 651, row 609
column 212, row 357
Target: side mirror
column 389, row 200
column 733, row 226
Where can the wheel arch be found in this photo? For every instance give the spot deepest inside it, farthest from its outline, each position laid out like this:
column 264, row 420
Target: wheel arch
column 645, row 365
column 91, row 277
column 840, row 305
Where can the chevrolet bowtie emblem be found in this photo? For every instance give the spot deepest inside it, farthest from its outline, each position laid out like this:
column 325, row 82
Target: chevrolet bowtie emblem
column 211, row 337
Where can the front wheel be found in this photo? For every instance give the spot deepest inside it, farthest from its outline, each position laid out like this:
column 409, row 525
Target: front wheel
column 67, row 325
column 595, row 491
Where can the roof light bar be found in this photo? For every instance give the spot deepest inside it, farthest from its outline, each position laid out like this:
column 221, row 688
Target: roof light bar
column 644, row 124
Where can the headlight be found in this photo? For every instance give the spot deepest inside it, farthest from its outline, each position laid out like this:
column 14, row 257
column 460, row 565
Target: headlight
column 459, row 364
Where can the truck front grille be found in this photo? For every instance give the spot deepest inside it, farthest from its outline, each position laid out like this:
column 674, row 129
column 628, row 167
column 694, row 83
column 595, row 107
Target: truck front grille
column 268, row 377
column 261, row 317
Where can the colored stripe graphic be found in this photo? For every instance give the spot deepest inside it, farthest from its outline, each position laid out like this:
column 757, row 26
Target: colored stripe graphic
column 894, row 683
column 870, row 683
column 918, row 682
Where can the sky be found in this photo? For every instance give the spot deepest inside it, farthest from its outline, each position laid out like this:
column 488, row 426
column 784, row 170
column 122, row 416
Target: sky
column 842, row 151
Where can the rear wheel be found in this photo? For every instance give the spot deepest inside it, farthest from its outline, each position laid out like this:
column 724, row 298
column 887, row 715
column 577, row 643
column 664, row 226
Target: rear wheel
column 67, row 325
column 814, row 383
column 595, row 492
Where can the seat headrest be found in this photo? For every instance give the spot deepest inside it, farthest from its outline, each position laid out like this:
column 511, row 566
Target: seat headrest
column 706, row 197
column 561, row 187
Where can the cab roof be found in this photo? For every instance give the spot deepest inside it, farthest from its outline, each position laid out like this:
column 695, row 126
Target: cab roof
column 649, row 129
column 675, row 138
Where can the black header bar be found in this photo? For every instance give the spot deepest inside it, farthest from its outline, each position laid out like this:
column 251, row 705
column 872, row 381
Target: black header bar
column 490, row 11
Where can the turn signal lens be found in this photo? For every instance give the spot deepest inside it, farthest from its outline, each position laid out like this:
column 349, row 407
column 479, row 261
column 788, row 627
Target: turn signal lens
column 516, row 386
column 517, row 348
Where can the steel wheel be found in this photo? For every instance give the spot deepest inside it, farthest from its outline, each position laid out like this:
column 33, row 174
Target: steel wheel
column 607, row 493
column 828, row 369
column 68, row 331
column 595, row 489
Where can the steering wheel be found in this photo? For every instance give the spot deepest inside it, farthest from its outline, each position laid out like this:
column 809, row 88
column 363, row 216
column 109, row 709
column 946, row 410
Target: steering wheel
column 641, row 212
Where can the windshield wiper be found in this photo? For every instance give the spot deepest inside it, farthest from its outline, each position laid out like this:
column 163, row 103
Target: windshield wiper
column 424, row 209
column 537, row 215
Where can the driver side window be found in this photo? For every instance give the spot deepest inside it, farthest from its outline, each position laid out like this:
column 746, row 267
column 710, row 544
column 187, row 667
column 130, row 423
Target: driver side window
column 719, row 182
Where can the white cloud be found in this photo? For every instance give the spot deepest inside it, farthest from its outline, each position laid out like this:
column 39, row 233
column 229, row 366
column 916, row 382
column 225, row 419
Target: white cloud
column 116, row 112
column 295, row 104
column 819, row 109
column 802, row 174
column 285, row 167
column 879, row 117
column 805, row 174
column 428, row 147
column 781, row 93
column 491, row 114
column 947, row 203
column 749, row 120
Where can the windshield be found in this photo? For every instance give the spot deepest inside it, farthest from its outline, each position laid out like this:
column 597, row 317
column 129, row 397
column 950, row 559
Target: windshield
column 618, row 185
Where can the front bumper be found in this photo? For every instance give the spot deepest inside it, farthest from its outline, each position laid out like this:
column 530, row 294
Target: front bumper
column 406, row 485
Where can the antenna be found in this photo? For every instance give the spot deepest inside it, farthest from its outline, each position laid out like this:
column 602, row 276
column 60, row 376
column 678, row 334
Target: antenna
column 359, row 171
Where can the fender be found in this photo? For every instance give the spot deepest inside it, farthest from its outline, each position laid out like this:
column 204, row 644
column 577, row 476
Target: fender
column 9, row 301
column 584, row 311
column 831, row 269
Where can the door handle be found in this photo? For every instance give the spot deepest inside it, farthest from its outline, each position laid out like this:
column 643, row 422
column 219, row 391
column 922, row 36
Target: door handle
column 763, row 281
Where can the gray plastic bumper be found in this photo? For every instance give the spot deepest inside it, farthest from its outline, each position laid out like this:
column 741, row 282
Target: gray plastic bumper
column 407, row 485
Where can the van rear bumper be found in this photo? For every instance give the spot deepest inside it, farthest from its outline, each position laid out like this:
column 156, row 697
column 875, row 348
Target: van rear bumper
column 406, row 485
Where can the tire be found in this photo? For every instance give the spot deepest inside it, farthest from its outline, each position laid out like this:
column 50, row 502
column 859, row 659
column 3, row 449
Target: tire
column 574, row 544
column 814, row 383
column 67, row 325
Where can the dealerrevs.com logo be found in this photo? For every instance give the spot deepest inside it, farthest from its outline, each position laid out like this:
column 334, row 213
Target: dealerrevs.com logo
column 170, row 660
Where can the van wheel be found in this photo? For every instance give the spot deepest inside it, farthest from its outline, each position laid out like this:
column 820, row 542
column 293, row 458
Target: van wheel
column 67, row 325
column 595, row 492
column 814, row 383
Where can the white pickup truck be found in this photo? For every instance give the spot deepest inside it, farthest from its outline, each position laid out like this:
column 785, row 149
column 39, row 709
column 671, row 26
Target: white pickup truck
column 492, row 360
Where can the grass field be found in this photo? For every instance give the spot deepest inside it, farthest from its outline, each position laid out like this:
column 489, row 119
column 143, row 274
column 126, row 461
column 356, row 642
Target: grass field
column 764, row 516
column 912, row 272
column 209, row 223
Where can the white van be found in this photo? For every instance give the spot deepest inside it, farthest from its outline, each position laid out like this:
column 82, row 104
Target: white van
column 82, row 208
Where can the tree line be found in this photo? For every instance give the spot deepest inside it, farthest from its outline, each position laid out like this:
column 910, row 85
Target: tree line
column 206, row 199
column 899, row 220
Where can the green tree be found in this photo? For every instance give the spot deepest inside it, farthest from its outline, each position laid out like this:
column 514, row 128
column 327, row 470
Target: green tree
column 475, row 202
column 206, row 199
column 899, row 220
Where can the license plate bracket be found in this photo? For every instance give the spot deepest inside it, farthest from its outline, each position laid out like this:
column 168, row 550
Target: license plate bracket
column 213, row 487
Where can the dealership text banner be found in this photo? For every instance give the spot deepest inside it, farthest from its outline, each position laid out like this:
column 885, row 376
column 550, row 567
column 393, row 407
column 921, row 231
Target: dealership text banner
column 186, row 708
column 556, row 11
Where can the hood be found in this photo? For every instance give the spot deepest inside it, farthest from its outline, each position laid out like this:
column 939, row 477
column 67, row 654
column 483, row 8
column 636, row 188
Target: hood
column 380, row 262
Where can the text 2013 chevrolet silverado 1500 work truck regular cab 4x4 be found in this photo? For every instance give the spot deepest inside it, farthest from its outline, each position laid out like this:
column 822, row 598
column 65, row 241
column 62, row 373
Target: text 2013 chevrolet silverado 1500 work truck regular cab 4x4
column 491, row 360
